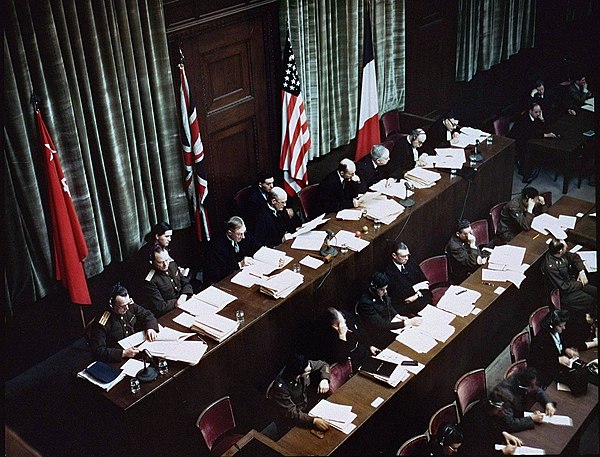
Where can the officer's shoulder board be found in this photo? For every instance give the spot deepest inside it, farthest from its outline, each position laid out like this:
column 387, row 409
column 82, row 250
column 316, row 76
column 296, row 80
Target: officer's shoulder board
column 104, row 318
column 150, row 275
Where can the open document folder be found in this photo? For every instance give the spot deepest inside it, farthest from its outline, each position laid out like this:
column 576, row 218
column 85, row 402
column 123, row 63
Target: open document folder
column 282, row 284
column 421, row 178
column 211, row 299
column 338, row 416
column 393, row 189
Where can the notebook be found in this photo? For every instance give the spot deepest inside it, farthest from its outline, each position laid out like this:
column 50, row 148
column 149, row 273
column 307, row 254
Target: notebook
column 377, row 367
column 103, row 372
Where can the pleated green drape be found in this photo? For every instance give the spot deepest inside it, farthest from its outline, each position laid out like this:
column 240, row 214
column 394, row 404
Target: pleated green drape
column 490, row 31
column 101, row 69
column 327, row 37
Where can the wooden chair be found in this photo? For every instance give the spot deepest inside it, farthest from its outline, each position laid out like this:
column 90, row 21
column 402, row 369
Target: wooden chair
column 309, row 201
column 417, row 445
column 495, row 215
column 339, row 374
column 447, row 414
column 555, row 299
column 536, row 318
column 469, row 389
column 519, row 346
column 501, row 125
column 547, row 197
column 391, row 123
column 435, row 270
column 481, row 231
column 215, row 423
column 240, row 200
column 514, row 367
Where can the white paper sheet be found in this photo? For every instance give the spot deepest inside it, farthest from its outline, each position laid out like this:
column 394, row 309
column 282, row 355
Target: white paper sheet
column 132, row 367
column 555, row 419
column 416, row 340
column 395, row 357
column 502, row 276
column 310, row 225
column 395, row 189
column 589, row 260
column 523, row 450
column 349, row 214
column 567, row 222
column 311, row 262
column 310, row 241
column 348, row 238
column 510, row 257
column 436, row 314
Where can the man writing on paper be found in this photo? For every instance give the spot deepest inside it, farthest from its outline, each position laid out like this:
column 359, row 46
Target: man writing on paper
column 372, row 168
column 229, row 252
column 517, row 214
column 274, row 220
column 404, row 274
column 408, row 152
column 339, row 189
column 290, row 393
column 463, row 253
column 122, row 318
column 165, row 286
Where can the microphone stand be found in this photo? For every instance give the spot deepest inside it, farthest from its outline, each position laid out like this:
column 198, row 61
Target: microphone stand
column 407, row 202
column 148, row 373
column 327, row 249
column 476, row 156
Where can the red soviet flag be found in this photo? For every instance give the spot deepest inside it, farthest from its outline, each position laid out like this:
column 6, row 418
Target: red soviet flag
column 67, row 237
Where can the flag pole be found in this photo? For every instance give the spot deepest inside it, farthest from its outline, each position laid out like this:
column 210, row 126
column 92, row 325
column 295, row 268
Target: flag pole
column 82, row 316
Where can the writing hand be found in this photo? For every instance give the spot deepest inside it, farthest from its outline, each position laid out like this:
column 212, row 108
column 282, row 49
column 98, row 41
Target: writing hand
column 321, row 424
column 550, row 409
column 130, row 352
column 411, row 299
column 538, row 417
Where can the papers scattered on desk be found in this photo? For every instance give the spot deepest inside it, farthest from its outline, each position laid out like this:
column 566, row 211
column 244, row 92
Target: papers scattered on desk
column 215, row 326
column 349, row 215
column 246, row 277
column 393, row 356
column 132, row 367
column 436, row 323
column 468, row 136
column 458, row 300
column 567, row 221
column 85, row 374
column 451, row 158
column 310, row 241
column 351, row 241
column 393, row 189
column 338, row 416
column 523, row 450
column 311, row 262
column 272, row 257
column 589, row 260
column 210, row 300
column 310, row 225
column 415, row 339
column 506, row 257
column 132, row 340
column 170, row 345
column 545, row 223
column 589, row 105
column 282, row 284
column 503, row 276
column 555, row 419
column 422, row 178
column 383, row 370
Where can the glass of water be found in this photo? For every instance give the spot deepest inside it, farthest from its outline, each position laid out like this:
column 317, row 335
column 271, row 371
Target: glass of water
column 376, row 224
column 296, row 268
column 163, row 366
column 134, row 385
column 344, row 248
column 240, row 316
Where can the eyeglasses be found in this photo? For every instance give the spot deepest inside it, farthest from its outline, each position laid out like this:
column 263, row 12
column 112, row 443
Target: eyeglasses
column 125, row 305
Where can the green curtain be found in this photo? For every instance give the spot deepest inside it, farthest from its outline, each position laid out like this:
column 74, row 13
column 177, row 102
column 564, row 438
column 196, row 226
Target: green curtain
column 490, row 31
column 327, row 38
column 102, row 72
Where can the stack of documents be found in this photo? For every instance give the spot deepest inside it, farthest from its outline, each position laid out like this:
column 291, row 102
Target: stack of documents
column 311, row 241
column 210, row 300
column 282, row 284
column 338, row 416
column 436, row 323
column 589, row 105
column 84, row 374
column 459, row 300
column 452, row 158
column 215, row 326
column 308, row 226
column 506, row 264
column 545, row 223
column 385, row 211
column 387, row 371
column 415, row 339
column 267, row 260
column 350, row 240
column 469, row 135
column 422, row 178
column 393, row 189
column 170, row 344
column 555, row 419
column 522, row 450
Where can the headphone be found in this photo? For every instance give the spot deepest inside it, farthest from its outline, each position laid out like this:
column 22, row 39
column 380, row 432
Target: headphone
column 415, row 134
column 554, row 319
column 113, row 294
column 446, row 431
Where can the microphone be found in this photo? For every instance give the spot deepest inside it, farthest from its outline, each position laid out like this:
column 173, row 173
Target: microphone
column 148, row 373
column 476, row 156
column 407, row 202
column 328, row 250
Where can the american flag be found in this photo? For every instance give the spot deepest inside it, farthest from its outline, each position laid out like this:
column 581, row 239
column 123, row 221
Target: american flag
column 295, row 137
column 193, row 158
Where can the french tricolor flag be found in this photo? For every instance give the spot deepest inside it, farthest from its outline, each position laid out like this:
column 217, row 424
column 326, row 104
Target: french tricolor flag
column 368, row 124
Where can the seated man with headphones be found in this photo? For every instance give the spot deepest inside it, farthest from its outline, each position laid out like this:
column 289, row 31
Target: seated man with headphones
column 406, row 154
column 122, row 318
column 459, row 440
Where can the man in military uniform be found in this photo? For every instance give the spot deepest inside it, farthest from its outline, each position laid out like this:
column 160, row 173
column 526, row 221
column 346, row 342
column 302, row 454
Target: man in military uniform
column 165, row 285
column 122, row 319
column 290, row 393
column 517, row 214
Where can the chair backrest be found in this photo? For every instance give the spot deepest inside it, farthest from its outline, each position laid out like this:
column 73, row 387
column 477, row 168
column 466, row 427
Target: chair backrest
column 391, row 123
column 519, row 346
column 417, row 445
column 547, row 198
column 435, row 270
column 555, row 298
column 447, row 414
column 309, row 201
column 339, row 374
column 269, row 390
column 216, row 420
column 536, row 318
column 501, row 125
column 481, row 231
column 495, row 215
column 241, row 196
column 470, row 388
column 514, row 367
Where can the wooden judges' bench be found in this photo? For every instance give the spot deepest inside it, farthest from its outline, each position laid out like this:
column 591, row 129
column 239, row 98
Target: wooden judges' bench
column 160, row 420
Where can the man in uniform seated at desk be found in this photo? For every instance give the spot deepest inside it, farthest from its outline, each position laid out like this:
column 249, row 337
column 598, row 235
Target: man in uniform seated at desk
column 290, row 393
column 517, row 214
column 509, row 399
column 464, row 255
column 165, row 286
column 369, row 168
column 403, row 274
column 274, row 221
column 229, row 252
column 121, row 319
column 339, row 189
column 377, row 313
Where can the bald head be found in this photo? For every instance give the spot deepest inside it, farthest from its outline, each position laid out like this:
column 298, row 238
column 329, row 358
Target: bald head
column 277, row 198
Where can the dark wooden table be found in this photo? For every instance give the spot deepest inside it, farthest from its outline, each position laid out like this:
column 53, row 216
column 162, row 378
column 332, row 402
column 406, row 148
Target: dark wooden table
column 566, row 149
column 244, row 364
column 585, row 230
column 253, row 444
column 476, row 342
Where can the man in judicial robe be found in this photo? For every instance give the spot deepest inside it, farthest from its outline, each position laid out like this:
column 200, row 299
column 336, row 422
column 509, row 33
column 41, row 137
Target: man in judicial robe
column 339, row 189
column 274, row 221
column 372, row 168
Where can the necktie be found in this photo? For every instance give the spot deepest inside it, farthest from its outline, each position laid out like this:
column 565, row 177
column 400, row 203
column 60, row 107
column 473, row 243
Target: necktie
column 236, row 247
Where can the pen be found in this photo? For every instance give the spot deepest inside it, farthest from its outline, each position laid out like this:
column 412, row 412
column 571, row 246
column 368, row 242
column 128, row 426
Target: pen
column 460, row 292
column 536, row 236
column 488, row 284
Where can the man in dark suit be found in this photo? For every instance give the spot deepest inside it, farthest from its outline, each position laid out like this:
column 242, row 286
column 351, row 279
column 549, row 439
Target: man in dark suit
column 528, row 126
column 404, row 274
column 339, row 188
column 405, row 155
column 273, row 221
column 229, row 252
column 442, row 133
column 372, row 168
column 578, row 92
column 464, row 255
column 257, row 197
